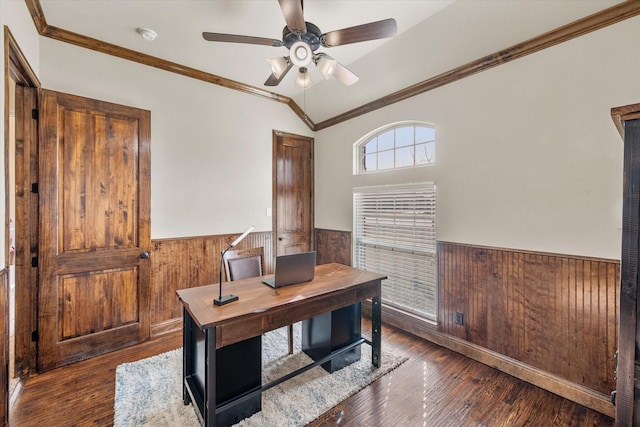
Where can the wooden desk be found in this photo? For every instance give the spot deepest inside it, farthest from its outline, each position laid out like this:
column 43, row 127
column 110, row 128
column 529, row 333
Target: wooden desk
column 215, row 335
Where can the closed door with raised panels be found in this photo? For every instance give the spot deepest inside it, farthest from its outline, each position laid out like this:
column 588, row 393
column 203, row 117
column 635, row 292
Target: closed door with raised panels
column 94, row 228
column 293, row 193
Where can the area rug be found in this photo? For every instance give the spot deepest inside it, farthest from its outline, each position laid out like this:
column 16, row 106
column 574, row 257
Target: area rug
column 149, row 391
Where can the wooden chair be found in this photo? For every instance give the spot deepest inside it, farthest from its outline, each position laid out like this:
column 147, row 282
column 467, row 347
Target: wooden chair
column 243, row 263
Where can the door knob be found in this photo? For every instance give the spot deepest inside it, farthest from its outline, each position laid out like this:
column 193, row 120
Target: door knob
column 280, row 239
column 145, row 255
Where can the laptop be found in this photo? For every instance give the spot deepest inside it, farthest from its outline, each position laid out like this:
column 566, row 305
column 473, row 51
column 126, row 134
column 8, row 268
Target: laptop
column 292, row 269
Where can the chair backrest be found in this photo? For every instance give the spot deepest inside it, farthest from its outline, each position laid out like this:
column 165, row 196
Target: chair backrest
column 243, row 263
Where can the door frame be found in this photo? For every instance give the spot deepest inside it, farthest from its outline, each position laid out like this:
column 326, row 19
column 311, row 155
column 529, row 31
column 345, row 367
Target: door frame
column 18, row 69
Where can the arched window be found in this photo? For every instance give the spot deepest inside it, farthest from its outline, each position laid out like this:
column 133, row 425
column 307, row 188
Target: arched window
column 399, row 145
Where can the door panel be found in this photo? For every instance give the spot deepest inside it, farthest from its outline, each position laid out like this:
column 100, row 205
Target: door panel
column 110, row 288
column 293, row 193
column 94, row 217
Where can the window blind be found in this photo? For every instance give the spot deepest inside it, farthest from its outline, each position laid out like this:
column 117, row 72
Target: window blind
column 395, row 235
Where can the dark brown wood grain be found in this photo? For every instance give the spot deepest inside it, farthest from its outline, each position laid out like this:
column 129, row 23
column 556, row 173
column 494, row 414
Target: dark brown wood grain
column 293, row 193
column 196, row 261
column 262, row 308
column 26, row 228
column 518, row 305
column 434, row 387
column 94, row 213
column 333, row 246
column 192, row 261
column 26, row 202
column 552, row 312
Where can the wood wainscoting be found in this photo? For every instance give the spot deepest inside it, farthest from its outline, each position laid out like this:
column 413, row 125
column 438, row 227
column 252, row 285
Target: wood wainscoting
column 548, row 319
column 333, row 246
column 185, row 262
column 557, row 313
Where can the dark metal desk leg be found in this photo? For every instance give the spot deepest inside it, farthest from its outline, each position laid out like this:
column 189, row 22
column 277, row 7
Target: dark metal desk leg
column 376, row 331
column 210, row 382
column 187, row 354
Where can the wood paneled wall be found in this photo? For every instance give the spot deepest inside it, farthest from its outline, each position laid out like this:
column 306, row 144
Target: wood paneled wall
column 557, row 313
column 333, row 246
column 179, row 263
column 194, row 261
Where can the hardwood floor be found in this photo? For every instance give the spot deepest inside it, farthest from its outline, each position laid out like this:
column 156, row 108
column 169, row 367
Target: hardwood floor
column 435, row 387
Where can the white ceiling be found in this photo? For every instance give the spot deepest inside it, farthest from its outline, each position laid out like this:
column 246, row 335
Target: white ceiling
column 433, row 36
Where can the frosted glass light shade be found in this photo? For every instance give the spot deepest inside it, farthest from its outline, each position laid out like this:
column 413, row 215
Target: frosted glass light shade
column 303, row 79
column 278, row 65
column 326, row 65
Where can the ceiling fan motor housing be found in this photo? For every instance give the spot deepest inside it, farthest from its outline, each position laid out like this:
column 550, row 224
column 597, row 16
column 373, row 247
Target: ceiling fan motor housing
column 311, row 37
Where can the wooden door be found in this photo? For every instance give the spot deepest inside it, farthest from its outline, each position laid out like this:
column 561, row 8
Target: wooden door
column 94, row 228
column 292, row 193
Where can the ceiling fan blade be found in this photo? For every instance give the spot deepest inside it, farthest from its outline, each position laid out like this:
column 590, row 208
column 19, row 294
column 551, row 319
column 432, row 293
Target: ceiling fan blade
column 360, row 33
column 273, row 81
column 233, row 38
column 344, row 75
column 293, row 15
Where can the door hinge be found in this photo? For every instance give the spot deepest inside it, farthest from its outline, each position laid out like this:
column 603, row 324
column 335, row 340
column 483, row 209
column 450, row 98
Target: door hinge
column 34, row 336
column 34, row 114
column 34, row 188
column 34, row 261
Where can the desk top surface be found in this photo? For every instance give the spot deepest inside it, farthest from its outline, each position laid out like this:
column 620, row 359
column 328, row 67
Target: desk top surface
column 256, row 298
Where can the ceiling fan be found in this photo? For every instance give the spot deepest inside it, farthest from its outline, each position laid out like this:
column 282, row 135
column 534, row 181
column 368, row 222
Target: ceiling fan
column 303, row 39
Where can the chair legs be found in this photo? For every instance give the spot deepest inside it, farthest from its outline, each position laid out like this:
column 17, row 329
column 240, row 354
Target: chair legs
column 290, row 330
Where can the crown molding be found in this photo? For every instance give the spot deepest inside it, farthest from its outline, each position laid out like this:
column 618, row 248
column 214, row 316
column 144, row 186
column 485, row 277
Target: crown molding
column 602, row 19
column 596, row 21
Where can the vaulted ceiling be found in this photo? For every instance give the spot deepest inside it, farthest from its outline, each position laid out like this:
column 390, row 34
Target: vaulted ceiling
column 435, row 37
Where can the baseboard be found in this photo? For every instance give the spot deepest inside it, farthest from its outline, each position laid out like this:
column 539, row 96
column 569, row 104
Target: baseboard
column 165, row 327
column 569, row 390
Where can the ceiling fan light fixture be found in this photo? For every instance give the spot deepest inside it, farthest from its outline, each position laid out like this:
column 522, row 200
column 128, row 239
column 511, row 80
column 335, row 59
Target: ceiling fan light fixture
column 303, row 79
column 278, row 65
column 301, row 54
column 147, row 34
column 326, row 65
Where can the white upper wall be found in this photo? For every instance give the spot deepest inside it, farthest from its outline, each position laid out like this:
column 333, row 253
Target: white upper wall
column 211, row 147
column 458, row 34
column 15, row 15
column 527, row 154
